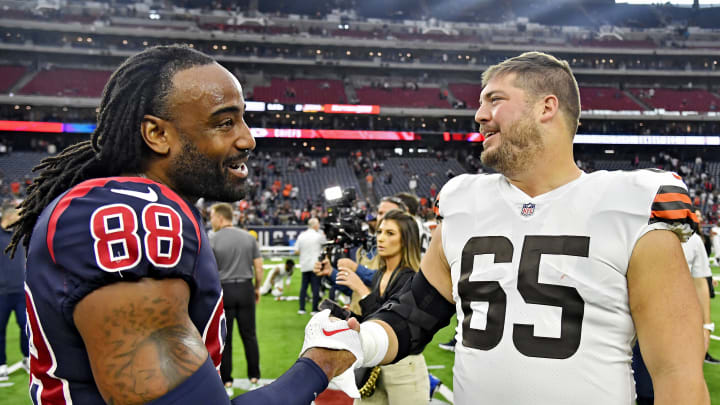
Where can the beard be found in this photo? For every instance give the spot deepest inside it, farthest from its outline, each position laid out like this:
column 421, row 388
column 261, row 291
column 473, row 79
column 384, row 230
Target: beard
column 195, row 175
column 519, row 145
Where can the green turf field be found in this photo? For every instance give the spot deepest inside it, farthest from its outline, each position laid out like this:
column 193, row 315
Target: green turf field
column 280, row 335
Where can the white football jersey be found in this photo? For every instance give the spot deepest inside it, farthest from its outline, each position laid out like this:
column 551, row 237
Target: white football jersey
column 425, row 234
column 540, row 283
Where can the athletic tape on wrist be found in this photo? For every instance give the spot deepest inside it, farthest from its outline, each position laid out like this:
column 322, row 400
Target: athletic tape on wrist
column 375, row 343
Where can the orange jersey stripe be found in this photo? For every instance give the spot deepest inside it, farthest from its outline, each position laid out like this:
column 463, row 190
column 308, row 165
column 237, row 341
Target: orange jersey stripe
column 675, row 214
column 670, row 197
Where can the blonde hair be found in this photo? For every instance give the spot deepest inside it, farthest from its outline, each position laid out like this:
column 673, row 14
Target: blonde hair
column 541, row 74
column 224, row 210
column 409, row 238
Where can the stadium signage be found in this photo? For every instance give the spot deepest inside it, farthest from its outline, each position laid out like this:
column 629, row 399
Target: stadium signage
column 338, row 108
column 276, row 235
column 296, row 133
column 254, row 106
column 334, row 134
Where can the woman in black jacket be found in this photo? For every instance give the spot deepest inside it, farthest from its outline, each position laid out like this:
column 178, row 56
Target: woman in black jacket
column 398, row 246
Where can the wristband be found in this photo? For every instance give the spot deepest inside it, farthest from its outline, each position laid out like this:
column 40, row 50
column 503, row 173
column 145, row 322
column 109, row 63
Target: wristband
column 375, row 343
column 708, row 326
column 202, row 387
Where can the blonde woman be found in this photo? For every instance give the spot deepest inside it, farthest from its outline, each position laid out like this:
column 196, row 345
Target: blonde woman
column 398, row 246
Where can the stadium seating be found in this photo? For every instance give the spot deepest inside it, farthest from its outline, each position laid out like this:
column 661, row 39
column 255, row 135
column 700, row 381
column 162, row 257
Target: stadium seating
column 9, row 75
column 318, row 91
column 429, row 170
column 468, row 93
column 678, row 100
column 424, row 97
column 68, row 83
column 616, row 43
column 17, row 165
column 606, row 98
column 313, row 182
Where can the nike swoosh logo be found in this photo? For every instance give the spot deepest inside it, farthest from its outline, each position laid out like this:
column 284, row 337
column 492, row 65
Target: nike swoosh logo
column 149, row 195
column 334, row 331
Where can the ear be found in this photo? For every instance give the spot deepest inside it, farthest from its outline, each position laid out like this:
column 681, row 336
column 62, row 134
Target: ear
column 550, row 108
column 157, row 133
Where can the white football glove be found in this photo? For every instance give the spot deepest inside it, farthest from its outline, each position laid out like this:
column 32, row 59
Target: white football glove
column 334, row 333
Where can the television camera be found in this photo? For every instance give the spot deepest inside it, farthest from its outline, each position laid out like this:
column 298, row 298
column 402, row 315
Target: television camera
column 345, row 227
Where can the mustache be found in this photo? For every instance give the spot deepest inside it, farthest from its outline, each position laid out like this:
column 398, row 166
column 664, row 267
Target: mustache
column 241, row 157
column 484, row 128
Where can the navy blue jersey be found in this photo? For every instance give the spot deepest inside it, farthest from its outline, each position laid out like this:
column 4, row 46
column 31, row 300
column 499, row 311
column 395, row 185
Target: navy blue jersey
column 100, row 232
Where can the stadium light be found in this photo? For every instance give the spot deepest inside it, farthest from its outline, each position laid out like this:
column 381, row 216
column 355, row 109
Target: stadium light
column 333, row 193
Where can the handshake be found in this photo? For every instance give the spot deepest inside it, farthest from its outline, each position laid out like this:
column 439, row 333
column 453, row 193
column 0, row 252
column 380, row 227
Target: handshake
column 368, row 343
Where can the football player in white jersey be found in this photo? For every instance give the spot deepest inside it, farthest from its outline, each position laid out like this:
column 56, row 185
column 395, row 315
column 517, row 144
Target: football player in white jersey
column 715, row 239
column 553, row 272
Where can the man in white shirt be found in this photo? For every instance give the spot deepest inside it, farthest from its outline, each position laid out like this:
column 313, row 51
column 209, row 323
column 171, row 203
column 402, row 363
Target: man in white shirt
column 309, row 245
column 715, row 239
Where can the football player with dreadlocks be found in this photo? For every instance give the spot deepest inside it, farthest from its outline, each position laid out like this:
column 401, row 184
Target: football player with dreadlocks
column 123, row 298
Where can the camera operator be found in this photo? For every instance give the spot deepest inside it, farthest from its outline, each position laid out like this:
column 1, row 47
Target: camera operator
column 366, row 261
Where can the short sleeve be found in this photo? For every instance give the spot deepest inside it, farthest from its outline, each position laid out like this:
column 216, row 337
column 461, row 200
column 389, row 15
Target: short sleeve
column 670, row 207
column 256, row 248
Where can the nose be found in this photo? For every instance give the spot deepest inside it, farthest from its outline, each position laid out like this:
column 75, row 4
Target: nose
column 482, row 115
column 245, row 140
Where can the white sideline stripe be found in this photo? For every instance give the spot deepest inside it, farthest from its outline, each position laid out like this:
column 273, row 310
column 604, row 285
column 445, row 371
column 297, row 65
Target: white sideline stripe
column 445, row 392
column 15, row 367
column 713, row 337
column 6, row 384
column 435, row 367
column 272, row 266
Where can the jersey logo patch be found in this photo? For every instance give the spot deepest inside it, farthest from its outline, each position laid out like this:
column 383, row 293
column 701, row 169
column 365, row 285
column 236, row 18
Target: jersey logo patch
column 150, row 195
column 527, row 209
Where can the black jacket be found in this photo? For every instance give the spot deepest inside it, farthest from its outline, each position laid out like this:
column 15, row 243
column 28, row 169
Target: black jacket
column 374, row 300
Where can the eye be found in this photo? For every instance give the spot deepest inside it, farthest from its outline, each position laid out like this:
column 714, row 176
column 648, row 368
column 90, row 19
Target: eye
column 494, row 99
column 226, row 123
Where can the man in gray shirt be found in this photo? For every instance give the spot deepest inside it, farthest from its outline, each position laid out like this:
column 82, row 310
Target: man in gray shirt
column 238, row 256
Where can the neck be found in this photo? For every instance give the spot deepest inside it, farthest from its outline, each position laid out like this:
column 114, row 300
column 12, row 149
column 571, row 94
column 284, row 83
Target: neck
column 222, row 225
column 158, row 174
column 551, row 169
column 391, row 263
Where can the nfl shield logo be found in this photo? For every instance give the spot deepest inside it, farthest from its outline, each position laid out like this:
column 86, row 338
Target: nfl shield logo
column 528, row 209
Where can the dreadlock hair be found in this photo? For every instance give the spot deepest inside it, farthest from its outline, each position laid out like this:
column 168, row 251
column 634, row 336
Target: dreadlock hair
column 140, row 86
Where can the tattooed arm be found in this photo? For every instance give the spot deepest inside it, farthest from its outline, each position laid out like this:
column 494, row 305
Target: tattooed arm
column 139, row 337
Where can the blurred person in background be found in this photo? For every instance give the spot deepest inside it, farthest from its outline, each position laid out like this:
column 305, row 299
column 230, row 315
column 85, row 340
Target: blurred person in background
column 366, row 260
column 12, row 292
column 239, row 263
column 309, row 245
column 398, row 250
